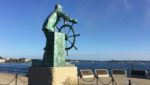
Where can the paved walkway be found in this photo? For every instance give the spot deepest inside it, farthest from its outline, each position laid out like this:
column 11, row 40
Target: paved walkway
column 117, row 81
column 10, row 79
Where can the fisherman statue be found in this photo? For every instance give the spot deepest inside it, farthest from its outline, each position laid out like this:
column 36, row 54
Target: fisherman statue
column 47, row 71
column 49, row 26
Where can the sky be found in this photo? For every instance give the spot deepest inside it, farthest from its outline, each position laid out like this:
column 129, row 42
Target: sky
column 109, row 29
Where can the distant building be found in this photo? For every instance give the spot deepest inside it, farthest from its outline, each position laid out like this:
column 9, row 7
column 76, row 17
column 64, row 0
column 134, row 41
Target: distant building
column 7, row 60
column 2, row 60
column 22, row 60
column 27, row 60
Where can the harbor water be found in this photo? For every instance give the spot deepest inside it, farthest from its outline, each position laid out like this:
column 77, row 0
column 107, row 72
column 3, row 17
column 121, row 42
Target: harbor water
column 22, row 68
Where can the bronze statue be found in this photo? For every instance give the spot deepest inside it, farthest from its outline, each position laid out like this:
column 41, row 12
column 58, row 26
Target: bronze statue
column 54, row 49
column 52, row 20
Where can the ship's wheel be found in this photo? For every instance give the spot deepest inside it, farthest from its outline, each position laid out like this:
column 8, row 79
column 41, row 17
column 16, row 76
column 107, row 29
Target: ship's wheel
column 70, row 36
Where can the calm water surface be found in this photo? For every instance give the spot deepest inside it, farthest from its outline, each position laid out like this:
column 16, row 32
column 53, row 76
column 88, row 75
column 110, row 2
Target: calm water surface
column 22, row 68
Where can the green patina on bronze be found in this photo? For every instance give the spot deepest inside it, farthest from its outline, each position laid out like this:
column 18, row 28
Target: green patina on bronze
column 59, row 49
column 54, row 56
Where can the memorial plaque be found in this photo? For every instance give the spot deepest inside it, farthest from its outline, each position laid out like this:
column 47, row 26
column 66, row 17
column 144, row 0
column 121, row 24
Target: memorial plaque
column 121, row 72
column 102, row 72
column 87, row 73
column 138, row 73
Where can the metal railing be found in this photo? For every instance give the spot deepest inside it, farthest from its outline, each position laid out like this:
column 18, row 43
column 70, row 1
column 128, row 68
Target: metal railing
column 97, row 81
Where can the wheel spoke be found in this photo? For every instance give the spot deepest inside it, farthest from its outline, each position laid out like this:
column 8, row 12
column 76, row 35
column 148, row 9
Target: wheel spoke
column 70, row 36
column 57, row 28
column 66, row 43
column 66, row 47
column 67, row 52
column 70, row 41
column 74, row 35
column 75, row 47
column 65, row 31
column 68, row 31
column 77, row 35
column 72, row 44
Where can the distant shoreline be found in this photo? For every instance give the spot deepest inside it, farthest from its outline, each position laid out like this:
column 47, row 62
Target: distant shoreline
column 108, row 60
column 75, row 60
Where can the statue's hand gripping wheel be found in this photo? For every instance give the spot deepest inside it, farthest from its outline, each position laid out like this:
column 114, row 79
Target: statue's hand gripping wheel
column 70, row 35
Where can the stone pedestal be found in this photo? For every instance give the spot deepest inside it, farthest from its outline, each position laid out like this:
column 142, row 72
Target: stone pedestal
column 52, row 76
